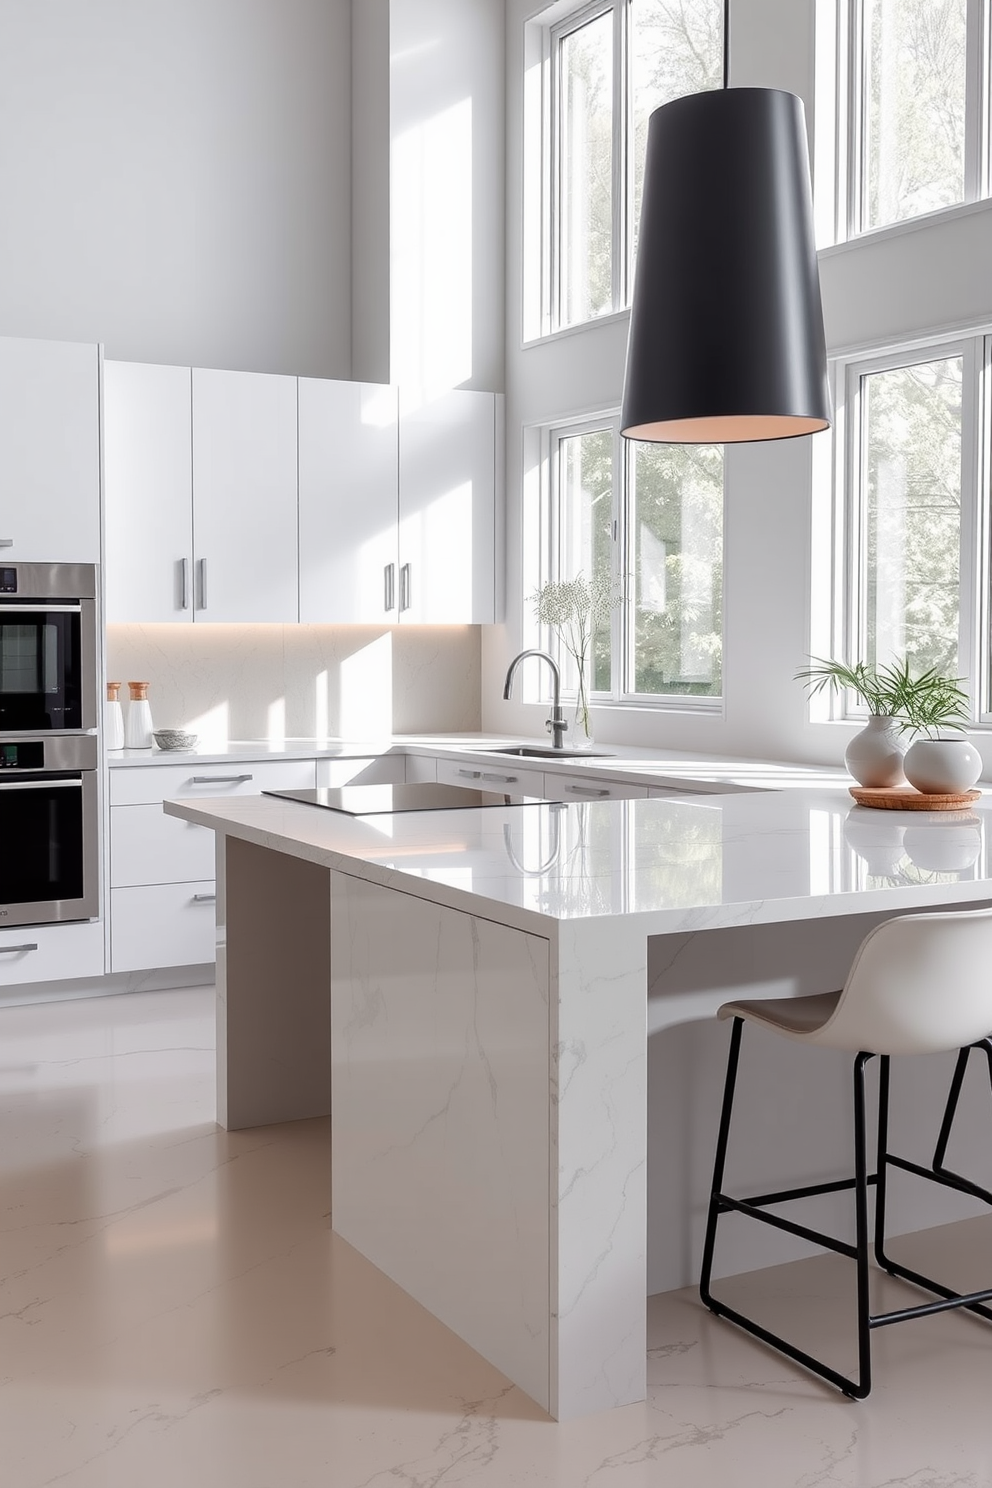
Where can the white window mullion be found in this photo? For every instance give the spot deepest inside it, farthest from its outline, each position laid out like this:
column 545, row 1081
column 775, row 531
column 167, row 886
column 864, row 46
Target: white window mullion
column 983, row 540
column 976, row 103
column 621, row 642
column 622, row 135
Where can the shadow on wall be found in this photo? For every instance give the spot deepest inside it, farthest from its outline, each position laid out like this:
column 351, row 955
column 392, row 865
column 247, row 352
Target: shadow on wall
column 303, row 681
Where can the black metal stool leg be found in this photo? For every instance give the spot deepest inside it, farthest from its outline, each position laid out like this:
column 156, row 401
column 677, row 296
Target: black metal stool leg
column 720, row 1162
column 950, row 1110
column 881, row 1165
column 859, row 1391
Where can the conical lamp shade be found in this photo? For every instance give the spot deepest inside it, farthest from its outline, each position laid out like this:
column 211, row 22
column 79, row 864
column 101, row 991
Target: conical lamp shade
column 726, row 329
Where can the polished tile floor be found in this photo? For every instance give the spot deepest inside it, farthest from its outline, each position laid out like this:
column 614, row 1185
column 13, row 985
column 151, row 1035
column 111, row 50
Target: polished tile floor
column 175, row 1313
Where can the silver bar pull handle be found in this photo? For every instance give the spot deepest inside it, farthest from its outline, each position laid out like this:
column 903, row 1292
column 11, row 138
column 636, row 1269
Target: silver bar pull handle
column 405, row 599
column 219, row 779
column 503, row 779
column 184, row 583
column 7, row 542
column 29, row 945
column 389, row 587
column 22, row 785
column 201, row 571
column 587, row 790
column 471, row 774
column 204, row 898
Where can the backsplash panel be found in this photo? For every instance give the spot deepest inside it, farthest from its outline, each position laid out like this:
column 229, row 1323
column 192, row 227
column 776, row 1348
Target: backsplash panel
column 303, row 681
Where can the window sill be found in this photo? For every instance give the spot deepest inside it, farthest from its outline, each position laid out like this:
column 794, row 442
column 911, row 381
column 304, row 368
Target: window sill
column 584, row 328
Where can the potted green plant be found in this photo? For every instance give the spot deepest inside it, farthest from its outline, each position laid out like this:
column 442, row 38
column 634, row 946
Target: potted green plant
column 574, row 609
column 940, row 759
column 875, row 755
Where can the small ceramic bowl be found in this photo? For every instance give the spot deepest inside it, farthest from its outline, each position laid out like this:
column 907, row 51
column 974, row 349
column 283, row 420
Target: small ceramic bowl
column 174, row 739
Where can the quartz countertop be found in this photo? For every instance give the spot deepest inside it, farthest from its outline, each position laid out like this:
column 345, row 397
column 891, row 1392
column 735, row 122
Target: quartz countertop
column 689, row 863
column 632, row 764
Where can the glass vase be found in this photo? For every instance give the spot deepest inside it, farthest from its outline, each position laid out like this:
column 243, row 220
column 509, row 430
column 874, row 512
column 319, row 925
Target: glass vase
column 582, row 722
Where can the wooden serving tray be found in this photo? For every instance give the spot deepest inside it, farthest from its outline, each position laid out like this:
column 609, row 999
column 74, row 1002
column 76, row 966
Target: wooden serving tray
column 905, row 798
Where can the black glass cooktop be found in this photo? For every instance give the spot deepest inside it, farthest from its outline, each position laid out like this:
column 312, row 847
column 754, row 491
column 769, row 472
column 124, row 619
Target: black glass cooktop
column 382, row 800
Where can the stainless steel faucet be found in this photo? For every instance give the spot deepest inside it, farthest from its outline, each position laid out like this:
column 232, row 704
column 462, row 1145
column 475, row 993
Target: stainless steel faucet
column 556, row 724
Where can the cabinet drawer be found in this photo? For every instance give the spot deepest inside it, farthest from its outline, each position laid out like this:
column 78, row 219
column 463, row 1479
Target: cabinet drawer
column 156, row 783
column 419, row 768
column 51, row 953
column 148, row 847
column 386, row 769
column 478, row 776
column 585, row 788
column 162, row 925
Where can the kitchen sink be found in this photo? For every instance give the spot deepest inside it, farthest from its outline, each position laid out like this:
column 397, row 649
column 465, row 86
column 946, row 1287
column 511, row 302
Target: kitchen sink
column 545, row 751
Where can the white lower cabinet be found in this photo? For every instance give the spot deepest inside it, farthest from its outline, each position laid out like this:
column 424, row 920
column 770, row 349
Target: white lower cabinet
column 560, row 787
column 162, row 894
column 386, row 769
column 51, row 953
column 484, row 776
column 162, row 925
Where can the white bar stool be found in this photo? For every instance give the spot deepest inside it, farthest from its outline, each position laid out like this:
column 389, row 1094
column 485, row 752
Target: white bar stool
column 919, row 984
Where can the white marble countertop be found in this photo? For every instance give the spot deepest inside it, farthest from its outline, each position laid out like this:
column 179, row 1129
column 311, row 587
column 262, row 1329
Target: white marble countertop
column 690, row 863
column 638, row 765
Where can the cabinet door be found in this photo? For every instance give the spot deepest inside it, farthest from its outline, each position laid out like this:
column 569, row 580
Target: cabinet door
column 348, row 502
column 448, row 509
column 244, row 497
column 49, row 452
column 148, row 492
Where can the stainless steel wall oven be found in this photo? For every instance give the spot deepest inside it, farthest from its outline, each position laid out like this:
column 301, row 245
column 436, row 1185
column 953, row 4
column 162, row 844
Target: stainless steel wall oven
column 48, row 648
column 49, row 819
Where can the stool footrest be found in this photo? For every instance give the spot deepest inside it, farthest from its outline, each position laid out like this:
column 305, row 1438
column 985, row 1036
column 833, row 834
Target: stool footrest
column 938, row 1174
column 816, row 1237
column 971, row 1301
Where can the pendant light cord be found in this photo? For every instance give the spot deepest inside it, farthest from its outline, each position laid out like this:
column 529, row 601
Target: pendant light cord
column 726, row 43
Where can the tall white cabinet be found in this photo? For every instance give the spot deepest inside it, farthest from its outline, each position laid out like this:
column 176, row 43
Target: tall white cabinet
column 448, row 509
column 244, row 496
column 49, row 452
column 349, row 502
column 200, row 492
column 148, row 491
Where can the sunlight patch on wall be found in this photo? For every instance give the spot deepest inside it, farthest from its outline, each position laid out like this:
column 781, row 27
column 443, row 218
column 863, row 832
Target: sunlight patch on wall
column 367, row 691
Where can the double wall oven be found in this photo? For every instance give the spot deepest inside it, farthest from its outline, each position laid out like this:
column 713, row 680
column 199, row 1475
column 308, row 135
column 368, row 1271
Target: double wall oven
column 49, row 820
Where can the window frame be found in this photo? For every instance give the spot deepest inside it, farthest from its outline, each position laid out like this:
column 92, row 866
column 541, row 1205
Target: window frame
column 851, row 109
column 847, row 626
column 622, row 667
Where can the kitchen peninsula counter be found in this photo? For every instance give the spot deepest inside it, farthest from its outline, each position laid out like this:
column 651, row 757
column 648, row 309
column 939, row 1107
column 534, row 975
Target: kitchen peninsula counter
column 483, row 1049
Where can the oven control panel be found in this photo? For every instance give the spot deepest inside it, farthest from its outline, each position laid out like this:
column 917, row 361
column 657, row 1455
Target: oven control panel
column 28, row 754
column 8, row 580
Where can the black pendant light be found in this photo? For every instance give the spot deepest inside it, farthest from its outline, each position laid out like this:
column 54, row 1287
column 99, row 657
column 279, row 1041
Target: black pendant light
column 726, row 329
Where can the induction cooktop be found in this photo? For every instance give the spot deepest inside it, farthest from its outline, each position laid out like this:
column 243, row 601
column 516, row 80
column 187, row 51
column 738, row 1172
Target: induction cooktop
column 383, row 800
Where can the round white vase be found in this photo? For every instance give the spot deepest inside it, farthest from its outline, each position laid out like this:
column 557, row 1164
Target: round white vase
column 942, row 766
column 874, row 757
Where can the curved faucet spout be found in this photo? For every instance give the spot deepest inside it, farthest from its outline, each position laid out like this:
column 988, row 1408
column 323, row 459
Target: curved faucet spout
column 556, row 724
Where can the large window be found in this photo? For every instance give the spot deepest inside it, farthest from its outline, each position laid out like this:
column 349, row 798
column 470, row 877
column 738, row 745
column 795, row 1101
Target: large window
column 916, row 517
column 918, row 107
column 611, row 64
column 652, row 517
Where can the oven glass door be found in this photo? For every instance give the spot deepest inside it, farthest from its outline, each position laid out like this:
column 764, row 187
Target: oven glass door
column 40, row 669
column 41, row 828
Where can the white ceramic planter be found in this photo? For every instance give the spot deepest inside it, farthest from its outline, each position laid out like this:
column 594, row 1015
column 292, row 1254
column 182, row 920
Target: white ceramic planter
column 942, row 766
column 874, row 757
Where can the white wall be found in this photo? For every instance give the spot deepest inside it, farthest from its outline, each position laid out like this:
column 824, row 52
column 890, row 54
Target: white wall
column 931, row 276
column 175, row 179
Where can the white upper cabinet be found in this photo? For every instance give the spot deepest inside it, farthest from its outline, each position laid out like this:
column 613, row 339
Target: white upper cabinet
column 348, row 502
column 148, row 491
column 245, row 532
column 49, row 452
column 447, row 541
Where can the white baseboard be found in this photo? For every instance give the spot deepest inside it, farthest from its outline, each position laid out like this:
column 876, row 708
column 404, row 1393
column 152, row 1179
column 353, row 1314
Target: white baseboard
column 160, row 979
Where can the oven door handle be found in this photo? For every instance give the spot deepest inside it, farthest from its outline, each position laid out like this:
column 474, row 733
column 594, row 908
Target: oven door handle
column 39, row 607
column 8, row 950
column 42, row 785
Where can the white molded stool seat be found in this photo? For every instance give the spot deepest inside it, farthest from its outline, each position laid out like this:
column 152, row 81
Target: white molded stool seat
column 919, row 984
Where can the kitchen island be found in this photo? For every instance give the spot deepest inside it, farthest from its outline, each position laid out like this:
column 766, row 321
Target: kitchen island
column 467, row 993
